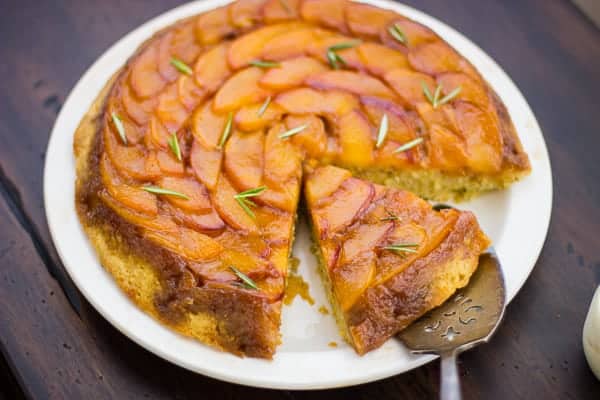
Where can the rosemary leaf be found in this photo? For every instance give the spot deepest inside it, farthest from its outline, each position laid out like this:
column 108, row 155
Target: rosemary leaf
column 174, row 145
column 163, row 191
column 427, row 93
column 334, row 58
column 409, row 145
column 243, row 199
column 265, row 64
column 263, row 108
column 344, row 45
column 436, row 95
column 285, row 6
column 243, row 203
column 449, row 96
column 249, row 283
column 397, row 33
column 383, row 130
column 226, row 131
column 403, row 247
column 292, row 131
column 251, row 192
column 390, row 217
column 181, row 66
column 120, row 128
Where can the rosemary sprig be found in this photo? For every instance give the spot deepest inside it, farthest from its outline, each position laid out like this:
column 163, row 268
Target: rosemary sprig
column 166, row 192
column 246, row 281
column 265, row 64
column 120, row 128
column 226, row 130
column 409, row 145
column 435, row 98
column 403, row 247
column 390, row 217
column 285, row 6
column 292, row 131
column 243, row 199
column 174, row 145
column 181, row 66
column 264, row 106
column 334, row 58
column 397, row 33
column 383, row 130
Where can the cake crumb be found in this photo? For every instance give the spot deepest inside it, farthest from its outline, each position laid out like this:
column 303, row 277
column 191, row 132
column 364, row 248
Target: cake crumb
column 332, row 344
column 296, row 285
column 323, row 310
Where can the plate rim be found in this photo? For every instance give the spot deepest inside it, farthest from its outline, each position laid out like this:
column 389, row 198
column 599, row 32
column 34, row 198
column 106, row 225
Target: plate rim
column 145, row 31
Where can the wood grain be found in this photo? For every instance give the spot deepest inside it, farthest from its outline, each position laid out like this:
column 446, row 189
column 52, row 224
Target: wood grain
column 549, row 48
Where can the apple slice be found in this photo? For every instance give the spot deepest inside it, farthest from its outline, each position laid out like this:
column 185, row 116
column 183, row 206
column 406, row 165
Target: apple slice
column 350, row 280
column 313, row 139
column 249, row 118
column 346, row 206
column 379, row 59
column 445, row 149
column 400, row 126
column 132, row 197
column 170, row 111
column 325, row 39
column 206, row 163
column 158, row 135
column 210, row 223
column 212, row 68
column 291, row 73
column 250, row 46
column 240, row 90
column 188, row 243
column 415, row 34
column 409, row 85
column 207, row 126
column 229, row 209
column 470, row 89
column 243, row 159
column 139, row 111
column 282, row 159
column 197, row 201
column 325, row 12
column 363, row 240
column 183, row 44
column 310, row 101
column 213, row 25
column 367, row 20
column 352, row 82
column 190, row 95
column 128, row 160
column 323, row 182
column 355, row 136
column 245, row 13
column 293, row 43
column 166, row 69
column 145, row 78
column 437, row 57
column 169, row 164
column 280, row 10
column 156, row 222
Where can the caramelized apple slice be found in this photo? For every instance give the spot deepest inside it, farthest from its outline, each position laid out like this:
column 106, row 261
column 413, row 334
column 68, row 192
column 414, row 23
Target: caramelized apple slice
column 282, row 160
column 170, row 111
column 367, row 20
column 291, row 73
column 283, row 196
column 188, row 243
column 190, row 95
column 325, row 12
column 210, row 223
column 438, row 57
column 212, row 68
column 139, row 111
column 229, row 209
column 379, row 59
column 323, row 182
column 414, row 33
column 249, row 118
column 197, row 201
column 409, row 85
column 145, row 79
column 165, row 67
column 245, row 13
column 355, row 136
column 169, row 164
column 128, row 160
column 310, row 101
column 352, row 279
column 240, row 90
column 445, row 149
column 347, row 203
column 206, row 163
column 157, row 222
column 313, row 139
column 290, row 44
column 470, row 89
column 213, row 25
column 243, row 159
column 130, row 196
column 280, row 10
column 319, row 49
column 250, row 46
column 482, row 136
column 363, row 240
column 352, row 82
column 400, row 127
column 207, row 126
column 184, row 45
column 157, row 134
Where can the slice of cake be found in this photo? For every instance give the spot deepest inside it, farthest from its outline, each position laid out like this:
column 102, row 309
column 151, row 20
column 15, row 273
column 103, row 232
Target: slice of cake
column 386, row 256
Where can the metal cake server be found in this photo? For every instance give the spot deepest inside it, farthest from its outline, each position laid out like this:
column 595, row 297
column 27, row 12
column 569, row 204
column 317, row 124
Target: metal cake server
column 468, row 318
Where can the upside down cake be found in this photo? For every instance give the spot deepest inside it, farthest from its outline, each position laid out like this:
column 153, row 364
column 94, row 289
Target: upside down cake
column 190, row 164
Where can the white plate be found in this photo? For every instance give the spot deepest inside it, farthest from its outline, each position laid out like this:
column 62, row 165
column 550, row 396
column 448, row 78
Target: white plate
column 516, row 219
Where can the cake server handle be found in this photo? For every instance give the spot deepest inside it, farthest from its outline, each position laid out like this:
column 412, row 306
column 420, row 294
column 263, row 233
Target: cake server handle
column 449, row 379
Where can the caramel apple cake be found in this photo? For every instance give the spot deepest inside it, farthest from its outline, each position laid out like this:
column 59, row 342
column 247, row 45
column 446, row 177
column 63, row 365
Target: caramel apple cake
column 190, row 163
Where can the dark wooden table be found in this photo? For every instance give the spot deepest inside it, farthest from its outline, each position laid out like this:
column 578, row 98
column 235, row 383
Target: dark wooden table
column 54, row 345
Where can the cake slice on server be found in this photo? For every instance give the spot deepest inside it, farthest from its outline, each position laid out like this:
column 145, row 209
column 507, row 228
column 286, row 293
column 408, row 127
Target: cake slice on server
column 385, row 255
